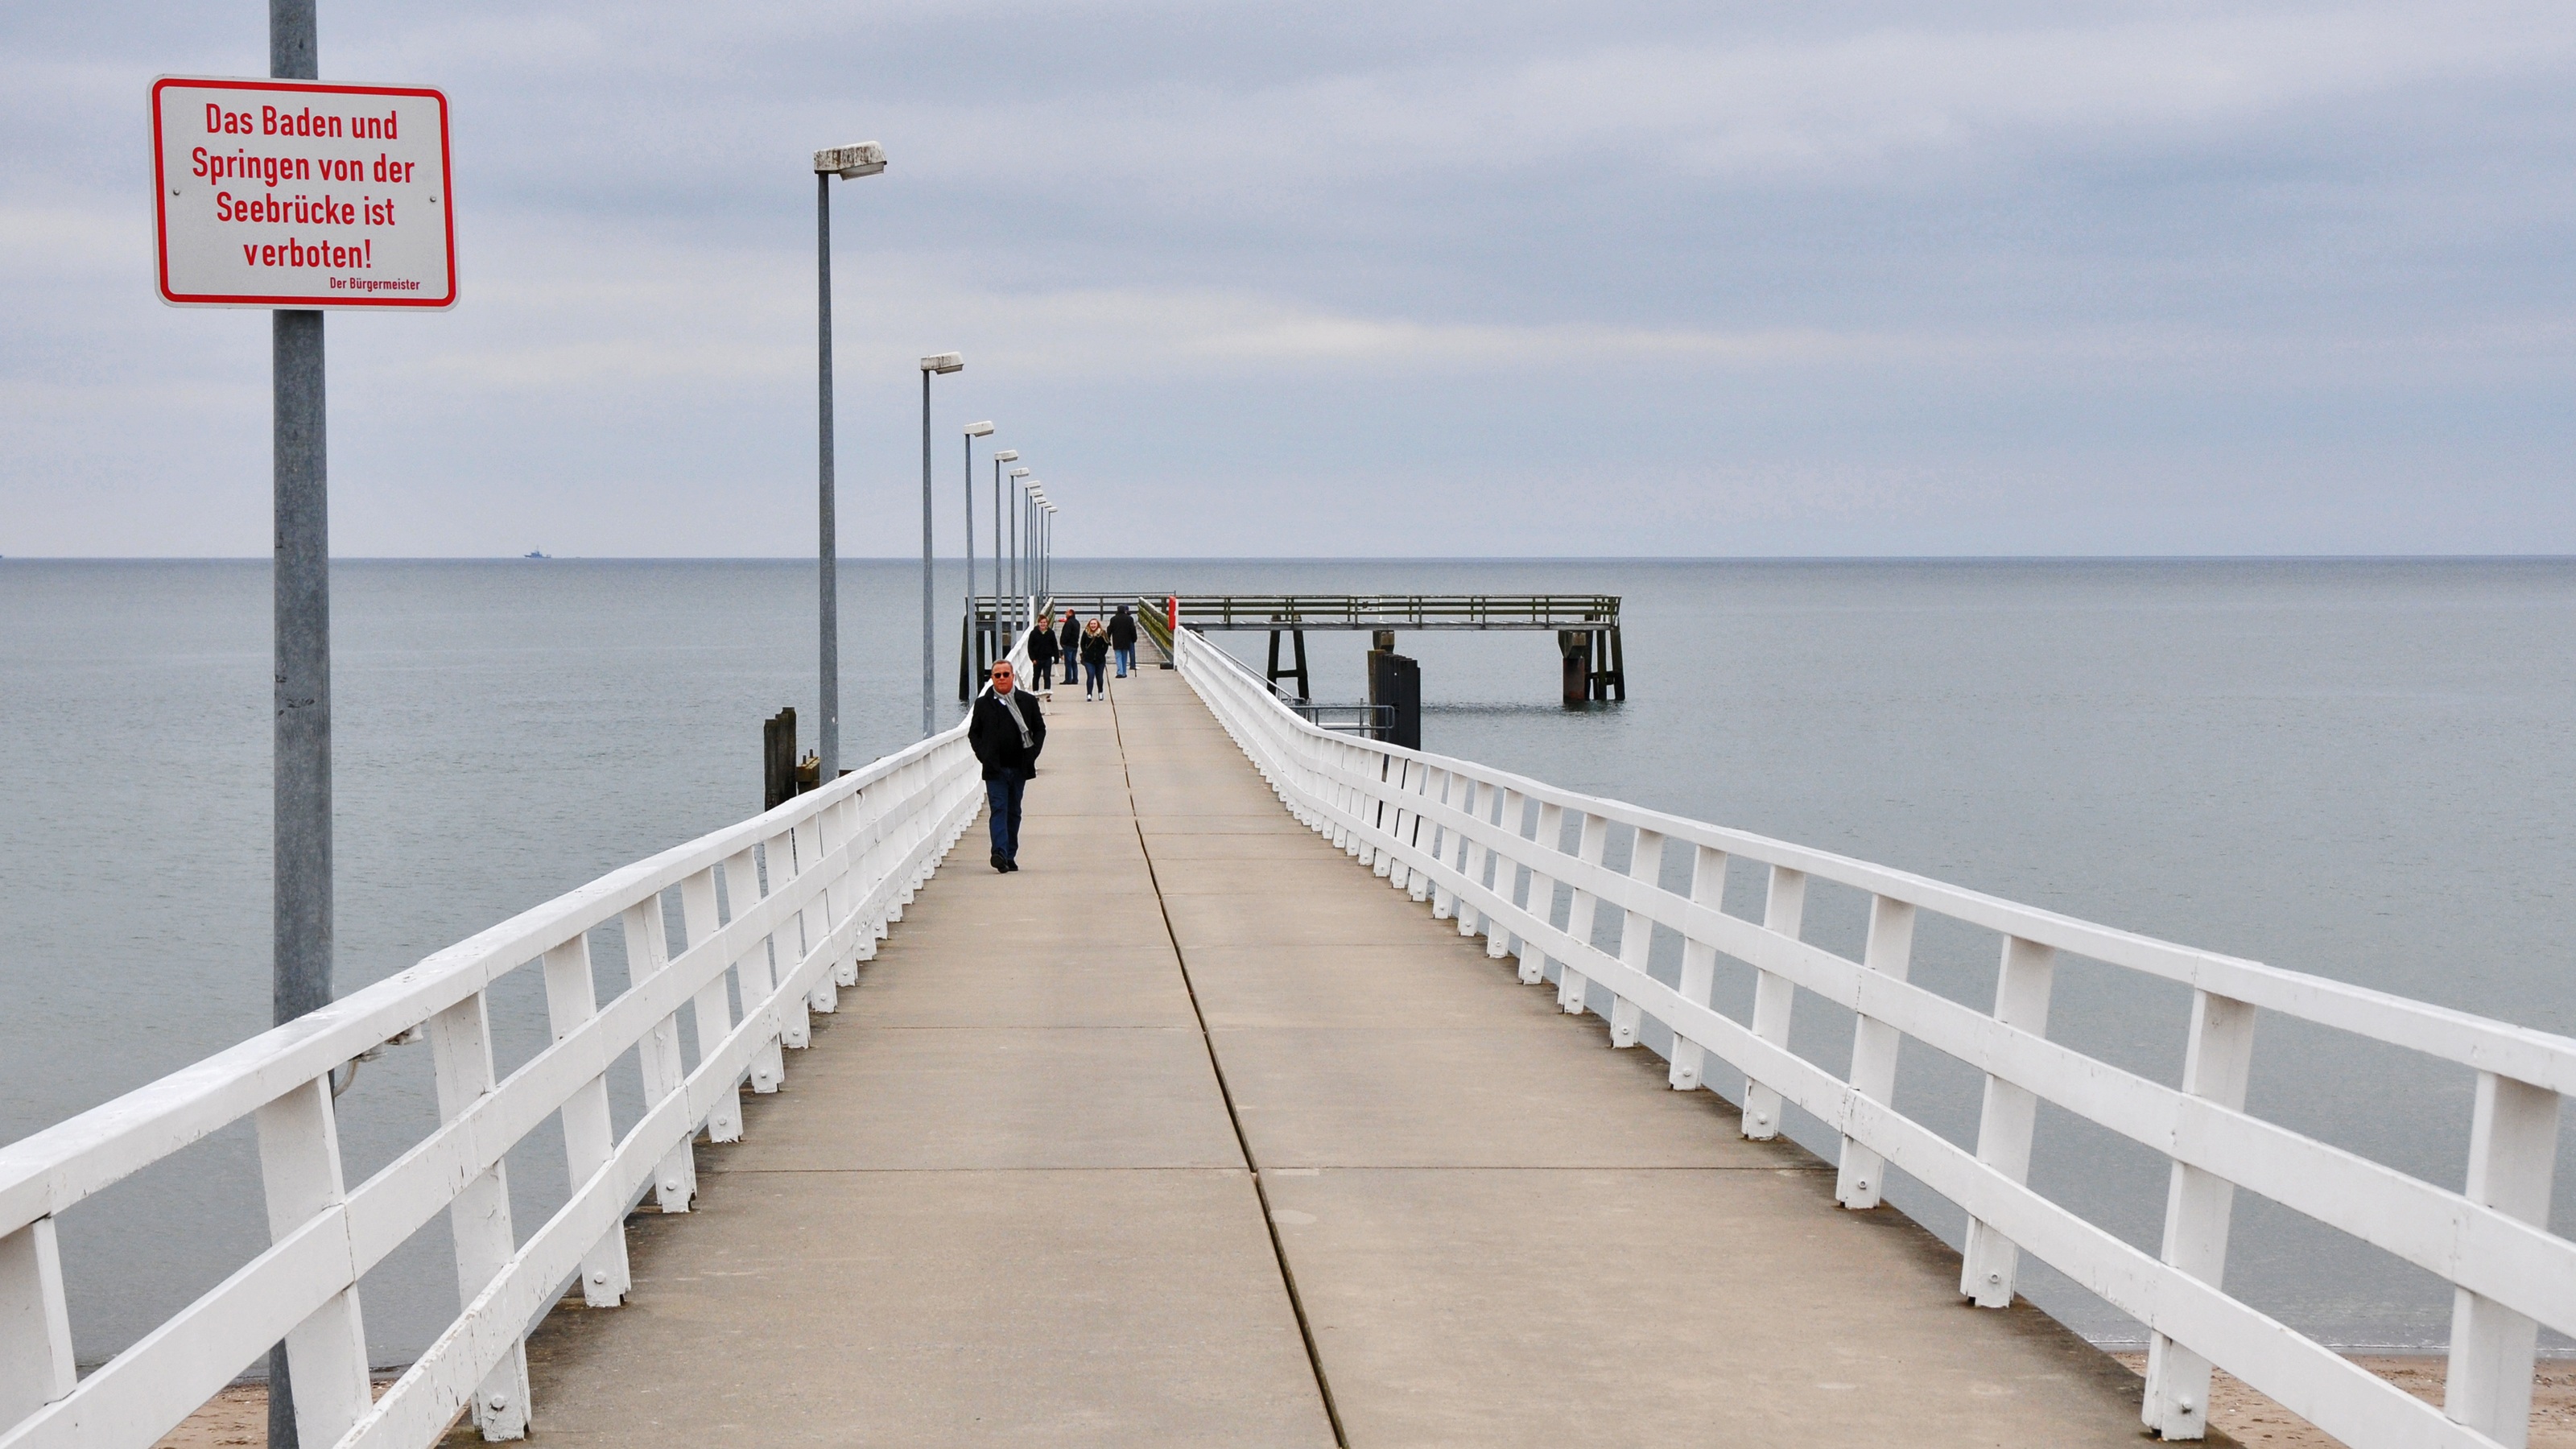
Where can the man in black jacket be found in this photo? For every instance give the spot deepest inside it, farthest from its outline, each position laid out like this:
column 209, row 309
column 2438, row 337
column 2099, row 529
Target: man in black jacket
column 1006, row 732
column 1122, row 637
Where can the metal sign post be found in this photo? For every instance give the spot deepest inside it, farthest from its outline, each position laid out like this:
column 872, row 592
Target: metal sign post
column 295, row 196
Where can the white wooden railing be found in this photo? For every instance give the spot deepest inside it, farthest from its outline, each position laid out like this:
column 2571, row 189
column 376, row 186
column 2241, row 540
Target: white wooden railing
column 807, row 890
column 1488, row 848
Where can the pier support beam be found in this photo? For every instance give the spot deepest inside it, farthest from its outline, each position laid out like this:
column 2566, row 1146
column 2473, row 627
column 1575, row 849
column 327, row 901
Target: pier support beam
column 1305, row 688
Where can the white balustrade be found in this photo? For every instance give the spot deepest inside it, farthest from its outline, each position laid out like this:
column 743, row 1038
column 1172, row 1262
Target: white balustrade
column 841, row 861
column 2510, row 1274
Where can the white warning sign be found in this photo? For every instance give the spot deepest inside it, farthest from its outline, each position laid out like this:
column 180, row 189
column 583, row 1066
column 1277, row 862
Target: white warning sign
column 284, row 193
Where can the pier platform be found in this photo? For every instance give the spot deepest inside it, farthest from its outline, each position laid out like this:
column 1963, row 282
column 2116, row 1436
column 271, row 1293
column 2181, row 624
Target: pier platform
column 1193, row 1132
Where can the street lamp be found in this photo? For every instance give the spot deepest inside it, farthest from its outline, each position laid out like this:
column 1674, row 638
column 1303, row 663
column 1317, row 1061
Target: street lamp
column 1047, row 570
column 1007, row 455
column 973, row 431
column 1029, row 547
column 935, row 363
column 849, row 163
column 1016, row 475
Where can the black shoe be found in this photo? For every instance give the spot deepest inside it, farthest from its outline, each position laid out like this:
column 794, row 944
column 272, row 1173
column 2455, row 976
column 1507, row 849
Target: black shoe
column 1010, row 863
column 1001, row 863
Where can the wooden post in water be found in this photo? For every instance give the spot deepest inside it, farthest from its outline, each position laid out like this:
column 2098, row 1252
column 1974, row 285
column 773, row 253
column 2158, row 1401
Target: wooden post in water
column 778, row 758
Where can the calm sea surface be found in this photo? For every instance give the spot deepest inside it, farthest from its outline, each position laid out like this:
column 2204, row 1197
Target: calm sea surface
column 2361, row 769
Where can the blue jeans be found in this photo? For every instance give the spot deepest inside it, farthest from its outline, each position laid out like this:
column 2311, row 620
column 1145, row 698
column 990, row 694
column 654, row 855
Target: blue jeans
column 1126, row 660
column 1091, row 684
column 1002, row 799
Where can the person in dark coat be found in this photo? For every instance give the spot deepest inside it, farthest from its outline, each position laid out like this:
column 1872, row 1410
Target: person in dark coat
column 1069, row 642
column 1007, row 732
column 1122, row 637
column 1042, row 653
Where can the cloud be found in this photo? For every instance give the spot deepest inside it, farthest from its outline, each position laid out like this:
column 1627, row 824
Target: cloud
column 1798, row 265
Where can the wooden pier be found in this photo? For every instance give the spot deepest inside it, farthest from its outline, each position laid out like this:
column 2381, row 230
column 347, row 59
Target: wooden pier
column 1194, row 1133
column 1592, row 653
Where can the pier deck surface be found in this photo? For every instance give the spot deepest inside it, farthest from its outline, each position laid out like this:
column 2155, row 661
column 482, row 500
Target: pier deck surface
column 1083, row 1141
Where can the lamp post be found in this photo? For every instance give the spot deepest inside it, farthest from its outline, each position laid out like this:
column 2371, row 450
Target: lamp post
column 867, row 158
column 939, row 362
column 1029, row 506
column 973, row 431
column 1016, row 475
column 1046, row 546
column 1007, row 455
column 1019, row 505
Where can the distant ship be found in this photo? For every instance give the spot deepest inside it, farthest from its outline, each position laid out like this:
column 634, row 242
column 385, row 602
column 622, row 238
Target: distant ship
column 536, row 553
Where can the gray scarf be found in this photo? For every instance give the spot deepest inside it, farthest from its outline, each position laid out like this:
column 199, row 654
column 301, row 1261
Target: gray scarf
column 1011, row 702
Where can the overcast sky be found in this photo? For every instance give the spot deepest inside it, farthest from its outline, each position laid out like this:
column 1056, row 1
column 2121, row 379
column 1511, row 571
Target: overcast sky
column 1398, row 278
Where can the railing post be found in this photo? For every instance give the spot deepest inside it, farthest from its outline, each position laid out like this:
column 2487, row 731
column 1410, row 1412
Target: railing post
column 1444, row 902
column 1475, row 801
column 2197, row 1208
column 1784, row 910
column 872, row 852
column 1591, row 842
column 1507, row 871
column 778, row 866
column 1417, row 883
column 589, row 1138
column 1542, row 890
column 35, row 1323
column 1636, row 935
column 759, row 983
column 802, row 848
column 326, row 1354
column 1388, row 817
column 2022, row 981
column 862, row 829
column 1858, row 1183
column 1699, row 966
column 1328, row 756
column 460, row 1053
column 1354, row 803
column 2513, row 1147
column 916, row 827
column 711, row 1009
column 647, row 954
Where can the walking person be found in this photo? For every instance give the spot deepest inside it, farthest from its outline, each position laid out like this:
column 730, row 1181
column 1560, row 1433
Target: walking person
column 1095, row 661
column 1070, row 638
column 1006, row 732
column 1042, row 655
column 1122, row 637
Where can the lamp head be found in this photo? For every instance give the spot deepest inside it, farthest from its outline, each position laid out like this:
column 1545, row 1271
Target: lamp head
column 1007, row 455
column 851, row 162
column 944, row 362
column 1019, row 472
column 979, row 430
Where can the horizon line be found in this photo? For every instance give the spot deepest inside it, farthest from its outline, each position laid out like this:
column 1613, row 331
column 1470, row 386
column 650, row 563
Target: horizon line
column 943, row 559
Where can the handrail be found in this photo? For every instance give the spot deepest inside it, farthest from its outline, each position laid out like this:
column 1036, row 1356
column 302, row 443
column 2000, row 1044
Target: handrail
column 1460, row 835
column 807, row 890
column 1377, row 611
column 1157, row 625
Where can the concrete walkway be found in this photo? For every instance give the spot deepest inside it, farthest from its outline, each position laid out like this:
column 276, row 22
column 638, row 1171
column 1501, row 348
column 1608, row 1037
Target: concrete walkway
column 1193, row 1132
